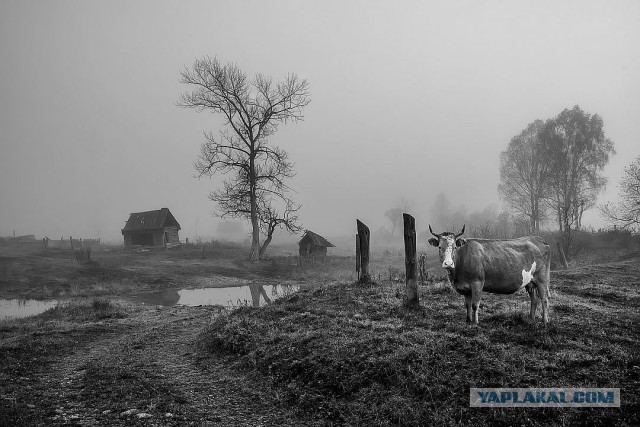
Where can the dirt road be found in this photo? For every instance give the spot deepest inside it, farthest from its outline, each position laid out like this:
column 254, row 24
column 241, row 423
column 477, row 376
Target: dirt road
column 142, row 369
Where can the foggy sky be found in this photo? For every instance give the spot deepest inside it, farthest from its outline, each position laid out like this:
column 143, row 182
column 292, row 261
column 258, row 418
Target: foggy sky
column 409, row 99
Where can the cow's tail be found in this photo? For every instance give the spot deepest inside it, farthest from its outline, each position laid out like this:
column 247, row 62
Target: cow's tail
column 547, row 266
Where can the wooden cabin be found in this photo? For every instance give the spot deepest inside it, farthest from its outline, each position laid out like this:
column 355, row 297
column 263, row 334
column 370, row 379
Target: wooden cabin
column 313, row 244
column 151, row 228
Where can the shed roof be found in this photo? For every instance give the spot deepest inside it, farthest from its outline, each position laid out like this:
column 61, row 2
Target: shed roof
column 150, row 220
column 316, row 239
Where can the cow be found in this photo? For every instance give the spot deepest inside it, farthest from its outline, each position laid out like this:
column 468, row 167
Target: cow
column 495, row 266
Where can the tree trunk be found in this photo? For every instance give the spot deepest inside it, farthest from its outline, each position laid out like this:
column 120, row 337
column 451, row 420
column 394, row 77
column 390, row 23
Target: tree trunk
column 410, row 261
column 563, row 259
column 255, row 228
column 263, row 248
column 536, row 218
column 363, row 233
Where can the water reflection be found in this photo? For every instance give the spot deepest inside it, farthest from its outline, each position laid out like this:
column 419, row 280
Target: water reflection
column 167, row 298
column 251, row 295
column 16, row 308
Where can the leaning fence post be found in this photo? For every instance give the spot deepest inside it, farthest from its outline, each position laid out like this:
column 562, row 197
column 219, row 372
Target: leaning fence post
column 358, row 255
column 410, row 261
column 364, row 234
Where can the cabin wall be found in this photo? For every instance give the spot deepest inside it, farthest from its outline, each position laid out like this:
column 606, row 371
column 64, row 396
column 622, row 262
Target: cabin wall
column 158, row 237
column 309, row 249
column 171, row 234
column 144, row 238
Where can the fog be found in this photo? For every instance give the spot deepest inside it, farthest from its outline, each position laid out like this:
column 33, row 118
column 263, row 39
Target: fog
column 409, row 99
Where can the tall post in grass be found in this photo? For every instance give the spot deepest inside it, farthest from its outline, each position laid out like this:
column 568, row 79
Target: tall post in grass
column 410, row 261
column 363, row 235
column 358, row 255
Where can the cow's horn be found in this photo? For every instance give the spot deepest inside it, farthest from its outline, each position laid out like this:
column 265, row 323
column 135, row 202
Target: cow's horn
column 461, row 231
column 437, row 235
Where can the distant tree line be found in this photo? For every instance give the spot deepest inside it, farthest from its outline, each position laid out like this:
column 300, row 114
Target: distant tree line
column 488, row 223
column 552, row 170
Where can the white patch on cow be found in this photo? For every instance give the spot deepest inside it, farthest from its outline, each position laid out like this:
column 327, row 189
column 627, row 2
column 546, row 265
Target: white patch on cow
column 527, row 276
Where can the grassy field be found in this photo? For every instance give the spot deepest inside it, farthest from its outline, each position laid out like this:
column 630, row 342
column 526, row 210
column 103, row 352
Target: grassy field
column 350, row 354
column 55, row 273
column 341, row 353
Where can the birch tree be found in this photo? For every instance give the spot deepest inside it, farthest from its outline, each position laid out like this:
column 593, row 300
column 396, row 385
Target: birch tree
column 578, row 151
column 525, row 174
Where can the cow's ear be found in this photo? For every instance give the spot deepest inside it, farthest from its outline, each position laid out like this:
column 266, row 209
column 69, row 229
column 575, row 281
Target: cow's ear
column 434, row 242
column 460, row 241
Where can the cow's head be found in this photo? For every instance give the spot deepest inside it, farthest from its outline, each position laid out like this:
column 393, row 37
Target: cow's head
column 447, row 244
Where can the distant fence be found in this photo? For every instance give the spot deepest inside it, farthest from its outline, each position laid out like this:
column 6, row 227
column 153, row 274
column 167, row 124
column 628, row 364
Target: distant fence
column 29, row 242
column 69, row 243
column 303, row 261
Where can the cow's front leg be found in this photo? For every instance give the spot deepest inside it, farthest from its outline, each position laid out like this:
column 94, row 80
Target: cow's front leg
column 476, row 291
column 531, row 289
column 467, row 303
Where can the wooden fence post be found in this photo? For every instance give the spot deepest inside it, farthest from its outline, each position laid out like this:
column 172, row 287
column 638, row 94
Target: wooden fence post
column 364, row 234
column 358, row 255
column 71, row 242
column 410, row 261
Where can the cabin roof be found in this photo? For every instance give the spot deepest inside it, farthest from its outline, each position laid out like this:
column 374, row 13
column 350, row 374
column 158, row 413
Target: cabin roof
column 150, row 220
column 316, row 239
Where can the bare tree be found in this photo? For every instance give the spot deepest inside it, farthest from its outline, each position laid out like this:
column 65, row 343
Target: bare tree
column 578, row 149
column 626, row 212
column 441, row 212
column 271, row 219
column 394, row 215
column 252, row 111
column 524, row 175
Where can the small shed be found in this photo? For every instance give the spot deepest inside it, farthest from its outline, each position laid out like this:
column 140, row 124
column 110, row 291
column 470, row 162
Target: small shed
column 151, row 228
column 313, row 244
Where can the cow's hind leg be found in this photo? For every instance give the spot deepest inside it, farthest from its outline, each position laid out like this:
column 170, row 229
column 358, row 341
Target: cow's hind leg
column 476, row 293
column 531, row 289
column 542, row 280
column 467, row 303
column 543, row 294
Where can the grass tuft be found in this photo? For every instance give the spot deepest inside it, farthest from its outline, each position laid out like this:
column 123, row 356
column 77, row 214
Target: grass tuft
column 80, row 311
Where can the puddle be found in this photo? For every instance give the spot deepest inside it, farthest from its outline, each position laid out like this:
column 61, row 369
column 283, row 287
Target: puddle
column 230, row 297
column 15, row 308
column 253, row 295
